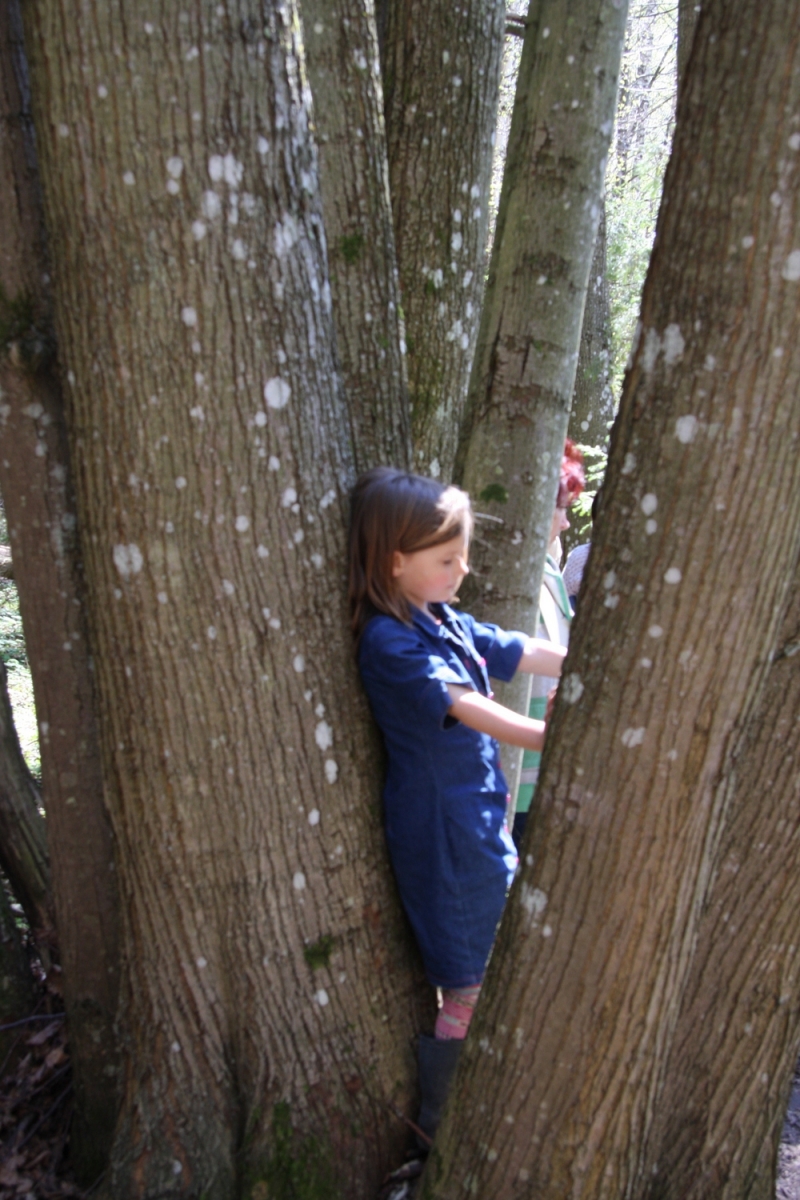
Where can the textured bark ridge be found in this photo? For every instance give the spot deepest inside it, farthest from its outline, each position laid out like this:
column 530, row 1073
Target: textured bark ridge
column 36, row 482
column 441, row 67
column 718, row 1123
column 268, row 998
column 344, row 71
column 679, row 616
column 524, row 369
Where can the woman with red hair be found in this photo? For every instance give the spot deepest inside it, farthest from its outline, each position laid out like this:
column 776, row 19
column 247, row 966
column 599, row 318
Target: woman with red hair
column 555, row 614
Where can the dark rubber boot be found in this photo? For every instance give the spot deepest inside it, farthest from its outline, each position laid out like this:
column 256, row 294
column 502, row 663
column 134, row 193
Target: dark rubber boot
column 437, row 1064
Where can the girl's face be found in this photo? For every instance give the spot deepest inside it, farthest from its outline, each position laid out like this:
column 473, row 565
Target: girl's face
column 433, row 575
column 559, row 523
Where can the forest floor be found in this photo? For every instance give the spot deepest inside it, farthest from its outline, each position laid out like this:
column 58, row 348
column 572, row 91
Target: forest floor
column 36, row 1109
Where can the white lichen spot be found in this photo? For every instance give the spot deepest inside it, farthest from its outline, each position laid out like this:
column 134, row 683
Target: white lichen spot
column 674, row 344
column 262, row 146
column 277, row 392
column 317, row 561
column 241, row 524
column 175, row 1047
column 274, row 623
column 228, row 587
column 177, row 1167
column 216, row 167
column 189, row 316
column 649, row 504
column 323, row 736
column 129, row 179
column 289, row 497
column 445, row 57
column 331, row 770
column 791, row 268
column 777, row 352
column 794, row 141
column 128, row 560
column 162, row 597
column 547, row 931
column 633, row 737
column 686, row 428
column 149, row 28
column 238, row 250
column 611, row 600
column 571, row 688
column 202, row 963
column 609, row 580
column 776, row 199
column 197, row 413
column 467, row 280
column 456, row 241
column 102, row 91
column 650, row 526
column 180, row 483
column 313, row 817
column 645, row 663
column 321, row 997
column 672, row 575
column 211, row 205
column 211, row 633
column 299, row 663
column 533, row 900
column 260, row 419
column 655, row 631
column 298, row 536
column 286, row 234
column 629, row 465
column 262, row 551
column 435, row 468
column 298, row 881
column 175, row 167
column 748, row 241
column 457, row 216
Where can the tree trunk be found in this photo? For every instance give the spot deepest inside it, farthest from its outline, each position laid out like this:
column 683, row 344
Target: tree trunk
column 344, row 71
column 23, row 840
column 269, row 998
column 524, row 370
column 679, row 616
column 718, row 1123
column 16, row 977
column 441, row 77
column 592, row 410
column 687, row 21
column 36, row 484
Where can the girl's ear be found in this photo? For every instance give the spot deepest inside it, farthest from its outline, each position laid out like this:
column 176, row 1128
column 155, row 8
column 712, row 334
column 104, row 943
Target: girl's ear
column 398, row 562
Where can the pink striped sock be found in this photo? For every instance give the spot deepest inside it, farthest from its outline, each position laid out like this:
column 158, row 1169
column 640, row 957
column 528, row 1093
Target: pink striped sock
column 458, row 1005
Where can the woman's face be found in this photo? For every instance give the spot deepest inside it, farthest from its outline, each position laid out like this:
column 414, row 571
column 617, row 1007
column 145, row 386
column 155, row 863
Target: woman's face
column 559, row 523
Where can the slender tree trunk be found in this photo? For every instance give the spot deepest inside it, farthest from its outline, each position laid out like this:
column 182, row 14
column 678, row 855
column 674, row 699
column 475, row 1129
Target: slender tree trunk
column 688, row 11
column 269, row 999
column 718, row 1123
column 23, row 840
column 16, row 977
column 524, row 370
column 441, row 78
column 36, row 483
column 592, row 410
column 344, row 70
column 679, row 617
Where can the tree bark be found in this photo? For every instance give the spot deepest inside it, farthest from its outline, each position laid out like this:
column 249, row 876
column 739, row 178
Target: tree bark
column 36, row 483
column 524, row 370
column 718, row 1123
column 269, row 997
column 344, row 71
column 688, row 11
column 23, row 840
column 679, row 616
column 16, row 977
column 592, row 411
column 441, row 69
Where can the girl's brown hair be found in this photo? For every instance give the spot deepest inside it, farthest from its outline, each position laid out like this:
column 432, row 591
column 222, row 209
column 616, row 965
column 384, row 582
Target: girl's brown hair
column 393, row 510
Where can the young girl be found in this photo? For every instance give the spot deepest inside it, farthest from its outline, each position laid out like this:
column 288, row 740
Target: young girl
column 426, row 671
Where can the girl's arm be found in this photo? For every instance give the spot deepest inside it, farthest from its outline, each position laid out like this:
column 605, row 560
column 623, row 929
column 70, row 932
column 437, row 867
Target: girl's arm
column 541, row 657
column 487, row 716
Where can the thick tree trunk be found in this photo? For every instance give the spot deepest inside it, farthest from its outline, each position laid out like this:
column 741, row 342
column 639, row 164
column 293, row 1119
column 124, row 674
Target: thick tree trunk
column 718, row 1123
column 344, row 71
column 592, row 410
column 23, row 840
column 269, row 1000
column 679, row 616
column 441, row 77
column 524, row 370
column 37, row 490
